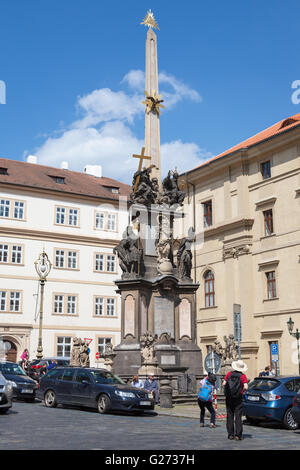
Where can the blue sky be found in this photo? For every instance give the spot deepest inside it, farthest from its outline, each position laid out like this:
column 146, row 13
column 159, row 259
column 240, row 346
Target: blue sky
column 73, row 74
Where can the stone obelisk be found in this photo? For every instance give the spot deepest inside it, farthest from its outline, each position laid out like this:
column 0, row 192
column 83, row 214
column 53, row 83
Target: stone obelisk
column 152, row 125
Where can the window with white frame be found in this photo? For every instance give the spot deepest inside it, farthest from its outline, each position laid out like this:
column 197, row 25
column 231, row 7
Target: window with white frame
column 16, row 254
column 99, row 306
column 58, row 304
column 3, row 301
column 110, row 306
column 71, row 304
column 4, row 207
column 19, row 210
column 99, row 221
column 73, row 217
column 10, row 301
column 59, row 258
column 111, row 222
column 4, row 253
column 102, row 344
column 63, row 346
column 72, row 259
column 99, row 262
column 65, row 304
column 60, row 215
column 14, row 301
column 111, row 263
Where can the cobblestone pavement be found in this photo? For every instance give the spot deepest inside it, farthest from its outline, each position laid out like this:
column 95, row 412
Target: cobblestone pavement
column 33, row 426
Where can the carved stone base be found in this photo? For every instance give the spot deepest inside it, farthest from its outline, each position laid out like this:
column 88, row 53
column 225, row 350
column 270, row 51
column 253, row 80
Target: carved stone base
column 150, row 369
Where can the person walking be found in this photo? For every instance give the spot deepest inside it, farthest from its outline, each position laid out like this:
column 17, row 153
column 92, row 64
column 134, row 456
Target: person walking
column 235, row 383
column 136, row 382
column 152, row 386
column 206, row 398
column 267, row 372
column 24, row 358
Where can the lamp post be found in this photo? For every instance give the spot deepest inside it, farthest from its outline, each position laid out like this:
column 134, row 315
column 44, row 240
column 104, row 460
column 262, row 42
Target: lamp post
column 42, row 266
column 290, row 325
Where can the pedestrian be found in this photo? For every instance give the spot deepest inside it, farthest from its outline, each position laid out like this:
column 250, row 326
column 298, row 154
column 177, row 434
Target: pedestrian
column 206, row 398
column 152, row 386
column 267, row 372
column 235, row 384
column 136, row 382
column 53, row 364
column 24, row 358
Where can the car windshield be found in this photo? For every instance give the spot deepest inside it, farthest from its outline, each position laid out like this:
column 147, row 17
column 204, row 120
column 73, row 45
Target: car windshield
column 105, row 377
column 10, row 368
column 263, row 384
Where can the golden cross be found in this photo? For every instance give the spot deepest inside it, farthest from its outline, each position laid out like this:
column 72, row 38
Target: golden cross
column 141, row 157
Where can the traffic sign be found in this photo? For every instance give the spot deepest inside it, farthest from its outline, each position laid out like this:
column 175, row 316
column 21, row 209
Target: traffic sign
column 212, row 362
column 97, row 355
column 88, row 340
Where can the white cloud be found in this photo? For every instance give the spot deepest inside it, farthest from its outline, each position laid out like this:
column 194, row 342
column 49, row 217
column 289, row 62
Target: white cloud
column 102, row 135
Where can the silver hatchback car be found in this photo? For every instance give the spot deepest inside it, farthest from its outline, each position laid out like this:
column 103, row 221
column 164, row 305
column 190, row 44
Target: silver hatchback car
column 6, row 394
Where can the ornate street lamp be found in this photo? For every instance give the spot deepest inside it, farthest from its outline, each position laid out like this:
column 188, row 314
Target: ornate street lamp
column 290, row 325
column 42, row 266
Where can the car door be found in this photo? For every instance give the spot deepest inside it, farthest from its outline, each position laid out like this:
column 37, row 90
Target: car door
column 65, row 385
column 82, row 388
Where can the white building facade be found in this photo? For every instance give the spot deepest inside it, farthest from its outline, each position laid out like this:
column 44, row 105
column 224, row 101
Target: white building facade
column 78, row 219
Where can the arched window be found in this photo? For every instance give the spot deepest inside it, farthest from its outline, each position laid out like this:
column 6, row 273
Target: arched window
column 209, row 286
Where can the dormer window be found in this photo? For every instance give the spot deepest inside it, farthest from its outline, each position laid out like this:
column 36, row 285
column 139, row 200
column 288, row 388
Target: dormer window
column 3, row 171
column 113, row 189
column 287, row 122
column 58, row 179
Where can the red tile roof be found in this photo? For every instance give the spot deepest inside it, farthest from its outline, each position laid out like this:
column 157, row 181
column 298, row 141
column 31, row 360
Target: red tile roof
column 39, row 176
column 272, row 131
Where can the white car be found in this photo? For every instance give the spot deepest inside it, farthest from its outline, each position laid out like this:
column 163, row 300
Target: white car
column 6, row 394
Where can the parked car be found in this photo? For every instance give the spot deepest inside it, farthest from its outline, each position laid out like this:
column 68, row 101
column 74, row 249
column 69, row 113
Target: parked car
column 23, row 386
column 92, row 388
column 296, row 407
column 34, row 367
column 6, row 393
column 271, row 398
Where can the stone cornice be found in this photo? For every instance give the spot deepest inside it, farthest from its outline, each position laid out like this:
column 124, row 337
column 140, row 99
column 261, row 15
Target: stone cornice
column 244, row 224
column 267, row 201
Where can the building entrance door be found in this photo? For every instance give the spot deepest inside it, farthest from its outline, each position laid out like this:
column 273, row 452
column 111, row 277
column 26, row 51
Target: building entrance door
column 11, row 351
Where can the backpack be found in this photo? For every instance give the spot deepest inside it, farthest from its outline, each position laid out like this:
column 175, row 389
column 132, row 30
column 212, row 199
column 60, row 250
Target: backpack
column 205, row 392
column 233, row 387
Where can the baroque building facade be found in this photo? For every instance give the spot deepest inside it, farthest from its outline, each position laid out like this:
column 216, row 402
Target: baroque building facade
column 245, row 207
column 77, row 218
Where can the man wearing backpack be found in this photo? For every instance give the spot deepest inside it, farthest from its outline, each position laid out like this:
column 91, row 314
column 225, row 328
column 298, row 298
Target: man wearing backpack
column 205, row 399
column 235, row 384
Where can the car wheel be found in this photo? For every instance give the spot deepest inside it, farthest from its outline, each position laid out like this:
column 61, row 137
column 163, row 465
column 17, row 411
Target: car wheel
column 50, row 399
column 103, row 404
column 288, row 421
column 3, row 410
column 251, row 420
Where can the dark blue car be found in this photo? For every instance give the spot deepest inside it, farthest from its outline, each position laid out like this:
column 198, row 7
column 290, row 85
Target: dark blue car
column 271, row 398
column 92, row 388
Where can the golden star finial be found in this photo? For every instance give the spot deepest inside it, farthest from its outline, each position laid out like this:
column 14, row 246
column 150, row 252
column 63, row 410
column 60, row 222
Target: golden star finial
column 149, row 20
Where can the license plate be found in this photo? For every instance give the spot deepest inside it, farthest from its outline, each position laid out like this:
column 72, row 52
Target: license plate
column 253, row 398
column 26, row 390
column 145, row 403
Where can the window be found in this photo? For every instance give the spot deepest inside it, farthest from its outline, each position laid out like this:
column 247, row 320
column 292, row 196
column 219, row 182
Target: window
column 16, row 254
column 14, row 303
column 4, row 253
column 111, row 222
column 207, row 213
column 72, row 259
column 102, row 342
column 99, row 262
column 68, row 375
column 59, row 258
column 65, row 304
column 3, row 171
column 271, row 285
column 110, row 307
column 60, row 215
column 268, row 222
column 99, row 306
column 63, row 346
column 265, row 169
column 83, row 375
column 58, row 304
column 58, row 179
column 4, row 208
column 73, row 217
column 209, row 287
column 100, row 220
column 111, row 263
column 19, row 210
column 2, row 301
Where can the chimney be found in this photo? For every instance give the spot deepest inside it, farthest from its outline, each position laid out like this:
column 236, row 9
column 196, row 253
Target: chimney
column 94, row 170
column 32, row 159
column 64, row 165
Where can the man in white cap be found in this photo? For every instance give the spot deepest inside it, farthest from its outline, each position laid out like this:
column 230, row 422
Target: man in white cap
column 235, row 384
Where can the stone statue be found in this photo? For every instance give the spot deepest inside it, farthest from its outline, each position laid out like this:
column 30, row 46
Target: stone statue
column 171, row 193
column 218, row 348
column 84, row 354
column 231, row 351
column 185, row 257
column 75, row 353
column 129, row 253
column 147, row 348
column 109, row 356
column 146, row 191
